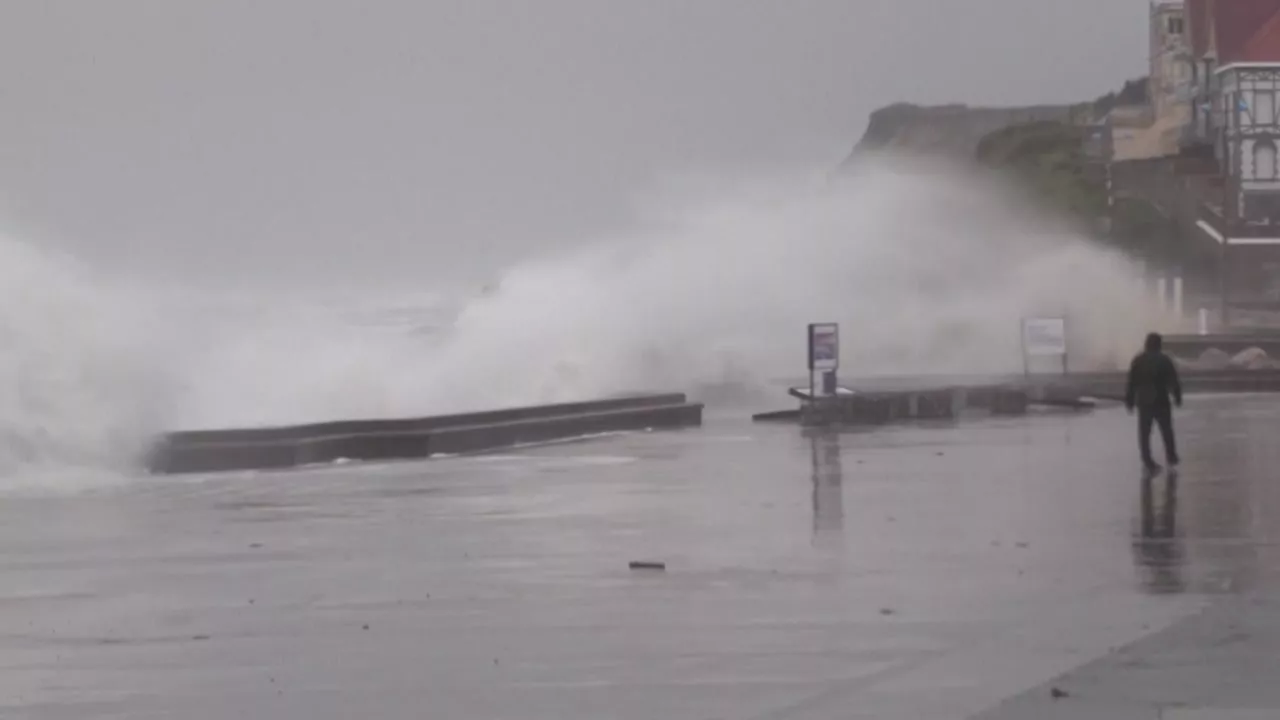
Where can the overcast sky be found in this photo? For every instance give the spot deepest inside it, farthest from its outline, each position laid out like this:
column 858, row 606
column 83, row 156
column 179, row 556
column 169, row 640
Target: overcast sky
column 394, row 141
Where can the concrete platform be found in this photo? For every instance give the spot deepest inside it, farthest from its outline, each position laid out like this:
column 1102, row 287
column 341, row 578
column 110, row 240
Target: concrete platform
column 1194, row 381
column 887, row 400
column 1112, row 385
column 1218, row 664
column 882, row 407
column 910, row 573
column 1191, row 346
column 413, row 438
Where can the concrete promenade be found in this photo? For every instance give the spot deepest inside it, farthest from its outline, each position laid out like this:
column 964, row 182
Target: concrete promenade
column 906, row 573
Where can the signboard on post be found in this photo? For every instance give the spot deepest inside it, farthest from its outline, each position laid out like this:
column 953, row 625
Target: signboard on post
column 824, row 346
column 1044, row 337
column 824, row 358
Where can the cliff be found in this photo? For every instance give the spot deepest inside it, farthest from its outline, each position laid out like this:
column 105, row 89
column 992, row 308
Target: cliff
column 955, row 130
column 1046, row 147
column 1050, row 162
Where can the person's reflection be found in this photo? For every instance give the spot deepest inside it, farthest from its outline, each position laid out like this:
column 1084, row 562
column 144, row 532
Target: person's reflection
column 828, row 480
column 1157, row 549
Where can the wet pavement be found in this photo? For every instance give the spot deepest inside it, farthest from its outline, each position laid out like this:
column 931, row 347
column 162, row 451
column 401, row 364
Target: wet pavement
column 916, row 572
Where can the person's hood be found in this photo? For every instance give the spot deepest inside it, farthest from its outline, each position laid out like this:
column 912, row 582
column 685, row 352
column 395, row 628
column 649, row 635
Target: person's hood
column 1154, row 342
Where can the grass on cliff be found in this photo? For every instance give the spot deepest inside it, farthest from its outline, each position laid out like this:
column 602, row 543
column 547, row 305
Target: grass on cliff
column 1049, row 160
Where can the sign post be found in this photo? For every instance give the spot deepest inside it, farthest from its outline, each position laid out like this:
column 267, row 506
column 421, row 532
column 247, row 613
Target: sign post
column 1043, row 337
column 824, row 357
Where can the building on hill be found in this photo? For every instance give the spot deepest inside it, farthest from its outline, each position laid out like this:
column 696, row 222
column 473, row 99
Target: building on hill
column 1170, row 87
column 1235, row 94
column 1236, row 83
column 1152, row 125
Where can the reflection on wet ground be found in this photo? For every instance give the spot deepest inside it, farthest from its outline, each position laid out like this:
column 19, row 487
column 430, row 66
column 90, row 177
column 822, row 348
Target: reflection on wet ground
column 910, row 572
column 828, row 485
column 1157, row 550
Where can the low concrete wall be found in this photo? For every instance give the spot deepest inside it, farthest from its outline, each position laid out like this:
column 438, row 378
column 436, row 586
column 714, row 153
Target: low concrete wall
column 1249, row 379
column 357, row 427
column 917, row 399
column 1111, row 386
column 1191, row 346
column 412, row 438
column 946, row 403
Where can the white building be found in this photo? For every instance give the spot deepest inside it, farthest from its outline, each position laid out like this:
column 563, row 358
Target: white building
column 1156, row 128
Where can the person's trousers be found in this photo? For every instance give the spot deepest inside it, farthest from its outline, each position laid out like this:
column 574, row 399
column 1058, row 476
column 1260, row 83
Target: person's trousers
column 1162, row 415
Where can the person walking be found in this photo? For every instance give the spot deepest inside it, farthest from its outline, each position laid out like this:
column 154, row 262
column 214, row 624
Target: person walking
column 1153, row 381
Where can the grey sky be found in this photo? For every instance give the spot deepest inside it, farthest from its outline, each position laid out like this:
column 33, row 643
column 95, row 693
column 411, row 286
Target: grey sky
column 390, row 141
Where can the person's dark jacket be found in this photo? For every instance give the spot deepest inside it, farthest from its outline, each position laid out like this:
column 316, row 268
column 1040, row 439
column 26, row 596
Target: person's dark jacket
column 1153, row 378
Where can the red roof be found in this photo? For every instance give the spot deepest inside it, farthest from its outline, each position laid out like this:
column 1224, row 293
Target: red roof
column 1239, row 30
column 1264, row 45
column 1197, row 22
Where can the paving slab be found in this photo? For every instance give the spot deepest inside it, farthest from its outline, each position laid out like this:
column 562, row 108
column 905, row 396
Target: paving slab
column 1222, row 662
column 916, row 572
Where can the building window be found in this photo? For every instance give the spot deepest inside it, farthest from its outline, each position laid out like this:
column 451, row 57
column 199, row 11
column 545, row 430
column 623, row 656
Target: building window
column 1264, row 107
column 1173, row 25
column 1264, row 160
column 1261, row 207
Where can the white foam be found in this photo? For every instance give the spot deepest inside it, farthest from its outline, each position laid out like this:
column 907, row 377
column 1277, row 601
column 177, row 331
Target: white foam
column 927, row 270
column 80, row 390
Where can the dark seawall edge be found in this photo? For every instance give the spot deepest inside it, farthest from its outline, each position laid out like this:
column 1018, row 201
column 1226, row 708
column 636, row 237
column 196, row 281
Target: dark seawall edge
column 276, row 448
column 1085, row 383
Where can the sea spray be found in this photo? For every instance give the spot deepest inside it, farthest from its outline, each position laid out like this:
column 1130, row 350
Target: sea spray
column 929, row 270
column 81, row 390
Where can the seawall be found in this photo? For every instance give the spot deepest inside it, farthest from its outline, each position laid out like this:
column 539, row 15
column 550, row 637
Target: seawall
column 413, row 438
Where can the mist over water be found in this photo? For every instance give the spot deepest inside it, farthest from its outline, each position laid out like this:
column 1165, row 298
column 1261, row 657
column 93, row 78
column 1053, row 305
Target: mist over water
column 82, row 387
column 928, row 270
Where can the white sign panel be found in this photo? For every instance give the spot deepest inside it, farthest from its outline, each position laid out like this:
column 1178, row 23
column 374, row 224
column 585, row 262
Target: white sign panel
column 824, row 346
column 1044, row 337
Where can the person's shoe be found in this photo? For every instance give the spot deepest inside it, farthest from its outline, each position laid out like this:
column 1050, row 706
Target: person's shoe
column 1152, row 467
